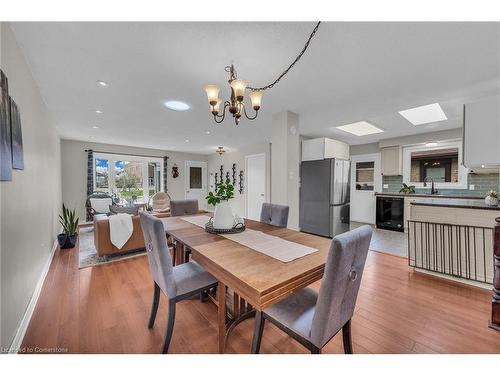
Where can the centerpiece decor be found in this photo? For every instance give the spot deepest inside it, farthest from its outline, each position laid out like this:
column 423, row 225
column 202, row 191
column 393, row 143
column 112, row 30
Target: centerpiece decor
column 69, row 222
column 223, row 214
column 235, row 104
column 492, row 198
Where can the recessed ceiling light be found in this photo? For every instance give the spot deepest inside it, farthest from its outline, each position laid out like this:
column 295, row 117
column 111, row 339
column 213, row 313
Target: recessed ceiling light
column 424, row 114
column 431, row 144
column 102, row 83
column 98, row 111
column 207, row 132
column 360, row 128
column 176, row 105
column 186, row 140
column 95, row 127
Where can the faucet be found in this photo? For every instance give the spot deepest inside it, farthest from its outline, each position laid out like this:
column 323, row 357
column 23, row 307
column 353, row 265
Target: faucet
column 433, row 190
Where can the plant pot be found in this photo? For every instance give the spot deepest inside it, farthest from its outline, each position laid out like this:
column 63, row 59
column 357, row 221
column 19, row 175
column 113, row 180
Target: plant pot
column 491, row 201
column 65, row 241
column 223, row 216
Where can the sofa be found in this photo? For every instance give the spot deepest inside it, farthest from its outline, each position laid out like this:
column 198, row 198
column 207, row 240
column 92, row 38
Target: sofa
column 102, row 239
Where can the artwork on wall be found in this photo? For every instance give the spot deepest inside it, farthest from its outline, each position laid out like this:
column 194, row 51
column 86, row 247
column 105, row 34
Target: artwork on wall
column 241, row 182
column 175, row 171
column 5, row 138
column 16, row 136
column 234, row 174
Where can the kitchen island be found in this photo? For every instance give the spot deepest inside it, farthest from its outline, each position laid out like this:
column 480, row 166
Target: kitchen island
column 452, row 238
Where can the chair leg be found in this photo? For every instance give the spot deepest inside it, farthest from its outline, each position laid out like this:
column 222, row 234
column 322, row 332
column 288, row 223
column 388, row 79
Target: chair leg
column 346, row 336
column 170, row 326
column 257, row 332
column 315, row 350
column 154, row 307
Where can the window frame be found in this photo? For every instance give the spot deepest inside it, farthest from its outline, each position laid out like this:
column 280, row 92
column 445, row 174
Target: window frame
column 462, row 170
column 144, row 160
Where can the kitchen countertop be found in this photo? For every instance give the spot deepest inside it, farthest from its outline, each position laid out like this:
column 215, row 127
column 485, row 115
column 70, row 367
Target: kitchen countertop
column 433, row 196
column 455, row 203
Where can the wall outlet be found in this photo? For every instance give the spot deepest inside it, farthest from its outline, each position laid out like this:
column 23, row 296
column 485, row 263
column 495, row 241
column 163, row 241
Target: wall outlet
column 385, row 186
column 471, row 187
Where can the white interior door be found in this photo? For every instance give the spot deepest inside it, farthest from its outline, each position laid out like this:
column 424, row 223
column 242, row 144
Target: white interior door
column 366, row 180
column 255, row 182
column 196, row 182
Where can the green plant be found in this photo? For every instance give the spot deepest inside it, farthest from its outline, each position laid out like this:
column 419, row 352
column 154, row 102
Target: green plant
column 493, row 194
column 223, row 192
column 69, row 221
column 407, row 189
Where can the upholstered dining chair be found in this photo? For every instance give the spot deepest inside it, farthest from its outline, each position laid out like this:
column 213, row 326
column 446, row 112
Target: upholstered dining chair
column 274, row 214
column 160, row 202
column 312, row 318
column 183, row 208
column 177, row 283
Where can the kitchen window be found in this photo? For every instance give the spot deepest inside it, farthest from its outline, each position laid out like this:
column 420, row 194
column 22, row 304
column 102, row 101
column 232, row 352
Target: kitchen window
column 364, row 175
column 441, row 163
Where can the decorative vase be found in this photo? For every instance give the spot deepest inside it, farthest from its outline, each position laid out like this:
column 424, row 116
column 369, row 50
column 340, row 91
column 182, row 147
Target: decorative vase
column 65, row 241
column 223, row 216
column 491, row 201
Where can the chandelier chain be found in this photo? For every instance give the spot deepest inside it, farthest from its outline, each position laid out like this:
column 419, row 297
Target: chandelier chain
column 291, row 65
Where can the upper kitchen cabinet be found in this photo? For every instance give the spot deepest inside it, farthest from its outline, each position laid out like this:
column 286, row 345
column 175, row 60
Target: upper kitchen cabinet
column 482, row 133
column 324, row 148
column 392, row 161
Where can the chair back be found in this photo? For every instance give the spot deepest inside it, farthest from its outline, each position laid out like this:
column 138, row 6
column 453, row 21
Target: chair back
column 274, row 214
column 340, row 285
column 160, row 261
column 99, row 201
column 183, row 207
column 160, row 202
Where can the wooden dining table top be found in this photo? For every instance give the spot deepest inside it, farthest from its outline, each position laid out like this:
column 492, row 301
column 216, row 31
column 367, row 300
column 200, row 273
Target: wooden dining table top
column 260, row 279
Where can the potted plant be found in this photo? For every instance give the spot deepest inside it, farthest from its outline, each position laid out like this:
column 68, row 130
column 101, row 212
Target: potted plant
column 223, row 214
column 69, row 221
column 407, row 189
column 492, row 198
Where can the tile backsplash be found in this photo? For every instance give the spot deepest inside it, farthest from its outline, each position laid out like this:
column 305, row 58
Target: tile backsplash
column 483, row 183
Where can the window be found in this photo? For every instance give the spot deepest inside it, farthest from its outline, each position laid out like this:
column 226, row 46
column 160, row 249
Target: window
column 364, row 175
column 440, row 164
column 195, row 177
column 129, row 177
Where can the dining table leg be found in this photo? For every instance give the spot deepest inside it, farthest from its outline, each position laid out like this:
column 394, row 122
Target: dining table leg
column 221, row 299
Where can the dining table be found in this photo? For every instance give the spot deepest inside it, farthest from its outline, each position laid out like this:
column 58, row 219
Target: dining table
column 255, row 279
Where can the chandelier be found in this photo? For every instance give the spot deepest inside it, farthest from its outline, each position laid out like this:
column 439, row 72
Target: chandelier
column 220, row 150
column 235, row 105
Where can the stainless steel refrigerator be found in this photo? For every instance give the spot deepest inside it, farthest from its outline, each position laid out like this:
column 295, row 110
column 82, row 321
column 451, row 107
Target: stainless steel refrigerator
column 325, row 197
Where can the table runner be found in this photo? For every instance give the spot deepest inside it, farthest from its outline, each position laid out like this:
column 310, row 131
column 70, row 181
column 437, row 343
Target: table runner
column 275, row 247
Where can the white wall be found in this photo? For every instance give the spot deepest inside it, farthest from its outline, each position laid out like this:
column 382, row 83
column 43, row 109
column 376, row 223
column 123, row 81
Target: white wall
column 226, row 160
column 31, row 201
column 74, row 169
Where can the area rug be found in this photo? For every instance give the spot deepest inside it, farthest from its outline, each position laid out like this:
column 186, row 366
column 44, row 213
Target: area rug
column 88, row 256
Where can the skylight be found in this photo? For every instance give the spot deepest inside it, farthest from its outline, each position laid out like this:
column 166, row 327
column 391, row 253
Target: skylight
column 424, row 114
column 360, row 128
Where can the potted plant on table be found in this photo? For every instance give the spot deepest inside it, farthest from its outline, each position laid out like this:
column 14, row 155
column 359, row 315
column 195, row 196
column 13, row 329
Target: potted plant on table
column 69, row 221
column 223, row 214
column 492, row 198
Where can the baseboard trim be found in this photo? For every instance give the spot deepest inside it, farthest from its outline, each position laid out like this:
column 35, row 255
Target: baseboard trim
column 25, row 321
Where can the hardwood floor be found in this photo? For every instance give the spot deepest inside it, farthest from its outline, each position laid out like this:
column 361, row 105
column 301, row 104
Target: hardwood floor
column 105, row 309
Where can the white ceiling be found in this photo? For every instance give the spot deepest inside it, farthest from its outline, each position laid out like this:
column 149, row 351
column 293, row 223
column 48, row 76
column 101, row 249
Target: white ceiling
column 351, row 72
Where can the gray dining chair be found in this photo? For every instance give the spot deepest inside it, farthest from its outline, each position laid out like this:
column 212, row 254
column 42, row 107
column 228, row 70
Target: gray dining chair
column 274, row 214
column 177, row 283
column 182, row 208
column 314, row 318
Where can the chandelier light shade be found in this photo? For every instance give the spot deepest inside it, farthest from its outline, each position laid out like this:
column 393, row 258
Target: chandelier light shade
column 220, row 150
column 236, row 103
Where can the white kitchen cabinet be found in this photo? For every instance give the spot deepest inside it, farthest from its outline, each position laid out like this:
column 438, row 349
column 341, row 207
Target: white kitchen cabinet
column 392, row 161
column 324, row 148
column 482, row 133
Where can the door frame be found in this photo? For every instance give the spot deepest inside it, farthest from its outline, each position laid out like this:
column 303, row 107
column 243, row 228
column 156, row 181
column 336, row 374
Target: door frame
column 204, row 181
column 377, row 181
column 245, row 178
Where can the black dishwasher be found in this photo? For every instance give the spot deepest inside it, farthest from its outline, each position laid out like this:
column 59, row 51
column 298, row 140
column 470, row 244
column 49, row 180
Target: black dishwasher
column 390, row 213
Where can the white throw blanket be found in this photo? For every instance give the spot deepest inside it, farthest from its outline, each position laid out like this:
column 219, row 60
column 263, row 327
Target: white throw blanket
column 120, row 229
